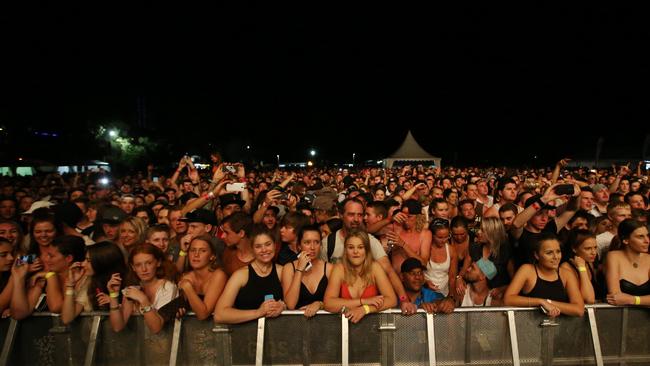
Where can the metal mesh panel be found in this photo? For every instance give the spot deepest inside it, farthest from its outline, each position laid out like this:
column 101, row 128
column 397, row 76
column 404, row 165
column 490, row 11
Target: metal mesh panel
column 609, row 322
column 568, row 343
column 4, row 328
column 365, row 340
column 410, row 340
column 199, row 344
column 34, row 345
column 243, row 339
column 472, row 339
column 133, row 345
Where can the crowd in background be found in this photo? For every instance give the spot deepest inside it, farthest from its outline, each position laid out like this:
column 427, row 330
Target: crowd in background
column 236, row 245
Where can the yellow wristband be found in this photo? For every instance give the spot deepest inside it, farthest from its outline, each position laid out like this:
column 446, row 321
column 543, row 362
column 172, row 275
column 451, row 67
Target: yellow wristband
column 69, row 292
column 182, row 253
column 49, row 274
column 113, row 294
column 582, row 269
column 637, row 300
column 366, row 308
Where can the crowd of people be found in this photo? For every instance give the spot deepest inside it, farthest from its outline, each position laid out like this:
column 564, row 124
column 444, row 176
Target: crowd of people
column 235, row 246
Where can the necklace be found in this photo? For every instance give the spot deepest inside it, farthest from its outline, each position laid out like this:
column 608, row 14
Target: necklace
column 260, row 271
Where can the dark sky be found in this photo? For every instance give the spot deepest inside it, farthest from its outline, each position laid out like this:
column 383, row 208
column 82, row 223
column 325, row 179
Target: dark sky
column 475, row 84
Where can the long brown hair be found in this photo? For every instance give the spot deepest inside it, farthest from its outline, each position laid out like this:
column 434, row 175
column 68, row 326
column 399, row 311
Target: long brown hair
column 365, row 274
column 214, row 264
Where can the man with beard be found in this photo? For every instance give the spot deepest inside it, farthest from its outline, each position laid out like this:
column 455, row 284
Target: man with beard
column 478, row 291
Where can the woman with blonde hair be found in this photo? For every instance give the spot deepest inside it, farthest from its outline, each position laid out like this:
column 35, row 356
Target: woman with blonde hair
column 133, row 231
column 358, row 285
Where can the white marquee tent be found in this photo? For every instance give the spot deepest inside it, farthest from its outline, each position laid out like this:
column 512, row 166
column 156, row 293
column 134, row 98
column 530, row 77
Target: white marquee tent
column 412, row 152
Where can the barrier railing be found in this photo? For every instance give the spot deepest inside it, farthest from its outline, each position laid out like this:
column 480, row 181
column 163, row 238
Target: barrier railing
column 606, row 335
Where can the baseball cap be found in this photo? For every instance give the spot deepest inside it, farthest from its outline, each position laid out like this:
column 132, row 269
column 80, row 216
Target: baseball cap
column 598, row 187
column 230, row 198
column 112, row 215
column 487, row 267
column 411, row 264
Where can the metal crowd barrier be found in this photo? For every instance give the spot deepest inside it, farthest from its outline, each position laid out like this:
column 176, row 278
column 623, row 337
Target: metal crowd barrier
column 606, row 335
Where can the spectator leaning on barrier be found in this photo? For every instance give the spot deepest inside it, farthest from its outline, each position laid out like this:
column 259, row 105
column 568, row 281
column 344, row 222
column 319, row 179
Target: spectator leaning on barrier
column 358, row 285
column 412, row 275
column 478, row 292
column 628, row 265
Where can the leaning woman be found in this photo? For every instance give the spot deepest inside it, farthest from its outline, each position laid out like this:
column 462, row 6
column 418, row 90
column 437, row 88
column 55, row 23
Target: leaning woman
column 358, row 285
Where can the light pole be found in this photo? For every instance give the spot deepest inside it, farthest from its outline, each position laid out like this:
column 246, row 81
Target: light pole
column 278, row 156
column 312, row 152
column 353, row 155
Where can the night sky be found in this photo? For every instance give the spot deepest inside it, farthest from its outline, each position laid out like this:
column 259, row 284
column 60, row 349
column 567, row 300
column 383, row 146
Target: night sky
column 476, row 85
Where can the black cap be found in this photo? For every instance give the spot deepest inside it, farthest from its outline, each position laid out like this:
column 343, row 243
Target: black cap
column 112, row 215
column 200, row 215
column 411, row 264
column 230, row 198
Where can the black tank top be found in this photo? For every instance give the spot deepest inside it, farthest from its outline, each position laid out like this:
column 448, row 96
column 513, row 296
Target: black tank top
column 305, row 297
column 635, row 290
column 553, row 290
column 599, row 289
column 252, row 295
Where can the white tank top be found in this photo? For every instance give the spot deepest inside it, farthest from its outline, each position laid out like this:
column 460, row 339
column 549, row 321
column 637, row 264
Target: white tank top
column 438, row 273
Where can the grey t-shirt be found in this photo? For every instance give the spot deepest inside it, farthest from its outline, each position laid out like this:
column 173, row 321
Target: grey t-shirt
column 375, row 247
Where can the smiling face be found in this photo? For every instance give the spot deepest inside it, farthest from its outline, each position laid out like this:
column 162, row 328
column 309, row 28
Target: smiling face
column 263, row 248
column 44, row 233
column 549, row 254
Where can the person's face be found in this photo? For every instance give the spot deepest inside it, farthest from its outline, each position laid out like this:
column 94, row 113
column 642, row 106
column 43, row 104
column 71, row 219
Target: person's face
column 75, row 194
column 380, row 195
column 624, row 186
column 580, row 223
column 197, row 228
column 230, row 237
column 111, row 230
column 269, row 219
column 472, row 191
column 453, row 198
column 163, row 216
column 602, row 196
column 436, row 192
column 177, row 225
column 143, row 215
column 635, row 186
column 636, row 201
column 160, row 239
column 507, row 217
column 26, row 203
column 473, row 273
column 310, row 243
column 392, row 186
column 588, row 250
column 263, row 248
column 411, row 219
column 9, row 232
column 638, row 241
column 468, row 211
column 355, row 251
column 44, row 233
column 171, row 196
column 187, row 187
column 441, row 210
column 604, row 225
column 446, row 183
column 549, row 254
column 539, row 220
column 509, row 193
column 413, row 280
column 352, row 215
column 440, row 237
column 586, row 200
column 127, row 205
column 620, row 214
column 200, row 254
column 287, row 234
column 482, row 188
column 7, row 209
column 229, row 209
column 128, row 235
column 87, row 265
column 145, row 266
column 371, row 217
column 6, row 258
column 458, row 234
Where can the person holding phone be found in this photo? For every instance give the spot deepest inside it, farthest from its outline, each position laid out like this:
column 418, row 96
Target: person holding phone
column 152, row 286
column 253, row 291
column 304, row 280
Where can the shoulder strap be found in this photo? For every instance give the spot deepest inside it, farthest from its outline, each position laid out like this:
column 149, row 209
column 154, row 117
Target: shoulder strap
column 331, row 243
